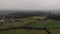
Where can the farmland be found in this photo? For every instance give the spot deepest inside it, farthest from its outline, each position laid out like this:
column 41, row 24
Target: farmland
column 33, row 22
column 47, row 24
column 23, row 31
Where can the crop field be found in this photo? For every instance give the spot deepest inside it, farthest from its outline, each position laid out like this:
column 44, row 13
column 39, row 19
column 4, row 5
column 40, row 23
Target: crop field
column 23, row 31
column 52, row 25
column 55, row 31
column 47, row 24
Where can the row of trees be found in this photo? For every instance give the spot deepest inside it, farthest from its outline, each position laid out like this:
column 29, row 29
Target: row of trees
column 54, row 16
column 27, row 14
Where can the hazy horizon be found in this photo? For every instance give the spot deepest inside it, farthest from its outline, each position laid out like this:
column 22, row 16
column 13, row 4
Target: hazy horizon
column 29, row 4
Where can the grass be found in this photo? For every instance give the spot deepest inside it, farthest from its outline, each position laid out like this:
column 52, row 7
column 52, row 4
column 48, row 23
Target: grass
column 23, row 31
column 21, row 22
column 55, row 31
column 36, row 23
column 47, row 24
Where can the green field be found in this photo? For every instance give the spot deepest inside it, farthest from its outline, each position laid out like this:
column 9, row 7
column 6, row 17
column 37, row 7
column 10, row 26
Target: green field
column 23, row 31
column 47, row 24
column 50, row 24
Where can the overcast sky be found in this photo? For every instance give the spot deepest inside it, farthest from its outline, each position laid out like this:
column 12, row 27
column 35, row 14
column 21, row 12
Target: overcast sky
column 29, row 4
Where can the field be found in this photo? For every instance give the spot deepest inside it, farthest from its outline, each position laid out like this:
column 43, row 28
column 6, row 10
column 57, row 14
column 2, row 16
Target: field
column 52, row 25
column 47, row 24
column 23, row 31
column 55, row 31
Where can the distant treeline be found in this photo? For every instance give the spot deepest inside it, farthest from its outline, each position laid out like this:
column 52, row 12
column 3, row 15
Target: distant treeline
column 54, row 16
column 27, row 14
column 30, row 14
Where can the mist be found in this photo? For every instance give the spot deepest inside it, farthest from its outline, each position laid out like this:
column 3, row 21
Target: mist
column 29, row 4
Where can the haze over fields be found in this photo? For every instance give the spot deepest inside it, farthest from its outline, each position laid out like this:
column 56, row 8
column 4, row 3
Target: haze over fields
column 31, row 5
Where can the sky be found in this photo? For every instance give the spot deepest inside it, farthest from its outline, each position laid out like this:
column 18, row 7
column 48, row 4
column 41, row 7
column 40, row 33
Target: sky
column 30, row 4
